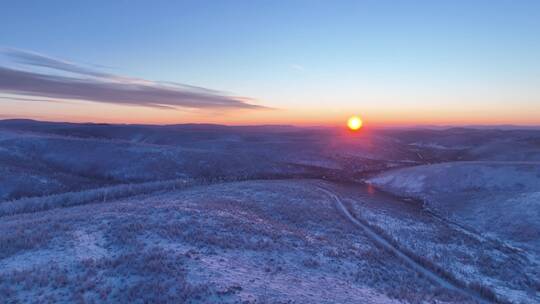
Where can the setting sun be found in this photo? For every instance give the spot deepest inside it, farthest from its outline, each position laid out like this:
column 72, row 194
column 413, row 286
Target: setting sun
column 354, row 123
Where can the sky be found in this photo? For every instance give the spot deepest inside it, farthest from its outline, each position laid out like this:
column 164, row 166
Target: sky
column 271, row 62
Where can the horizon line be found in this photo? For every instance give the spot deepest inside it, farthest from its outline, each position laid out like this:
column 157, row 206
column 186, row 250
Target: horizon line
column 329, row 126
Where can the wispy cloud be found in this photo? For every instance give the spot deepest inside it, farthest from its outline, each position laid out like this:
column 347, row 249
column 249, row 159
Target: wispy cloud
column 30, row 99
column 91, row 85
column 39, row 60
column 297, row 67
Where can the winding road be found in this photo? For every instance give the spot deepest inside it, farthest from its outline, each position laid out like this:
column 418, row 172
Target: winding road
column 404, row 257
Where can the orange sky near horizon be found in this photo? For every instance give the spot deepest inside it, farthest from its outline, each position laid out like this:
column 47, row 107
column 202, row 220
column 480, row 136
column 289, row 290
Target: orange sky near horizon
column 371, row 114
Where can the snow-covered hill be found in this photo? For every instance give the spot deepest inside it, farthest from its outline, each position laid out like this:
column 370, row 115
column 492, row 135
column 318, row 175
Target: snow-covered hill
column 496, row 198
column 254, row 242
column 266, row 214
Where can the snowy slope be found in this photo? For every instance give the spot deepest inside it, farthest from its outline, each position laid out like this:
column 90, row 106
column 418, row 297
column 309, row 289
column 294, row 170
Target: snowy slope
column 462, row 177
column 254, row 242
column 496, row 198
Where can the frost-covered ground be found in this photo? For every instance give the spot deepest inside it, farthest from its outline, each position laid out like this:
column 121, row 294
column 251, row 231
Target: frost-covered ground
column 498, row 199
column 260, row 242
column 94, row 213
column 459, row 253
column 38, row 158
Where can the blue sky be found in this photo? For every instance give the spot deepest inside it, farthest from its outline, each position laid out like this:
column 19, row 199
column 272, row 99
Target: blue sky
column 313, row 62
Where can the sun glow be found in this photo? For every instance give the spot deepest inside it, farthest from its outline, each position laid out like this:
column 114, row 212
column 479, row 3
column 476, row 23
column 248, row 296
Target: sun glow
column 354, row 123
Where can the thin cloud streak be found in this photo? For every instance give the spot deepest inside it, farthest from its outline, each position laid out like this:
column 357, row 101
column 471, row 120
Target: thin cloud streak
column 108, row 88
column 39, row 60
column 298, row 67
column 12, row 98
